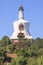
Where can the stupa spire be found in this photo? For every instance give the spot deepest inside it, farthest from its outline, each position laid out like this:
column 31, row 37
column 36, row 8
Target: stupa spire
column 21, row 14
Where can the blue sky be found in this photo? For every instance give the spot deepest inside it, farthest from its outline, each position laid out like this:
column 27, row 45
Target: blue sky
column 33, row 12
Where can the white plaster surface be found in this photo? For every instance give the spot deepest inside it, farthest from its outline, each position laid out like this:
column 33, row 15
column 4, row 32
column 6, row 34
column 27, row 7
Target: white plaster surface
column 25, row 30
column 16, row 26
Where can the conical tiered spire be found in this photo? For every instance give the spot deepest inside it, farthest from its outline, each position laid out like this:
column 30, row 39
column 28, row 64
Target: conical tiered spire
column 21, row 14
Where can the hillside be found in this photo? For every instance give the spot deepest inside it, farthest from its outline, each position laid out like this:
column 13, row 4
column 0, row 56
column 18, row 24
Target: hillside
column 28, row 52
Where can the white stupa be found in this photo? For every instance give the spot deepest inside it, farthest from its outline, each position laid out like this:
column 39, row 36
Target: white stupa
column 21, row 26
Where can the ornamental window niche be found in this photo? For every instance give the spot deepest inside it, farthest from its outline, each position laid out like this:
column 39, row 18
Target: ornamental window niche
column 21, row 27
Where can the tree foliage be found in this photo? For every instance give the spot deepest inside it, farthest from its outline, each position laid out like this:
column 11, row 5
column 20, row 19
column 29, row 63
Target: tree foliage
column 29, row 52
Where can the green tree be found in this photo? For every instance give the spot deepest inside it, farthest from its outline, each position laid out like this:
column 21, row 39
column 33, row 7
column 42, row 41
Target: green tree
column 40, row 60
column 40, row 52
column 5, row 40
column 39, row 41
